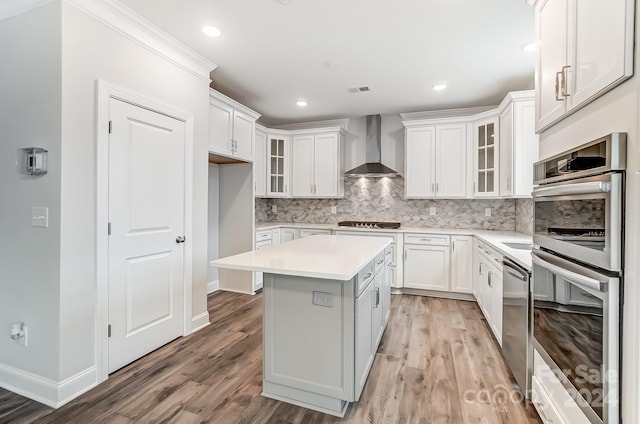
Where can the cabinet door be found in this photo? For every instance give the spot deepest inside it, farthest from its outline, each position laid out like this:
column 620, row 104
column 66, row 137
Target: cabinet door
column 426, row 267
column 551, row 29
column 525, row 148
column 602, row 58
column 377, row 311
column 506, row 152
column 477, row 273
column 220, row 127
column 386, row 289
column 364, row 354
column 288, row 234
column 277, row 165
column 451, row 161
column 495, row 293
column 260, row 165
column 243, row 133
column 302, row 166
column 419, row 180
column 461, row 264
column 486, row 145
column 326, row 165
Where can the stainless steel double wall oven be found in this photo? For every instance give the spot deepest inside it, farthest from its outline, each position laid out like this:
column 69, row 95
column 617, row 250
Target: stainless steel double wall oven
column 578, row 262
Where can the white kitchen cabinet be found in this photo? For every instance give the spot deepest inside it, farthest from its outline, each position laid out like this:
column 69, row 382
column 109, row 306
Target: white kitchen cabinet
column 435, row 161
column 277, row 165
column 260, row 164
column 231, row 127
column 263, row 239
column 316, row 165
column 306, row 232
column 386, row 284
column 486, row 159
column 288, row 234
column 489, row 287
column 364, row 352
column 461, row 264
column 377, row 311
column 518, row 145
column 495, row 297
column 426, row 266
column 575, row 63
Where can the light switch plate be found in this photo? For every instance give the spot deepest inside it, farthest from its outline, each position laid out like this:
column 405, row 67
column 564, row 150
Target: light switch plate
column 432, row 210
column 274, row 208
column 39, row 216
column 487, row 211
column 323, row 299
column 334, row 209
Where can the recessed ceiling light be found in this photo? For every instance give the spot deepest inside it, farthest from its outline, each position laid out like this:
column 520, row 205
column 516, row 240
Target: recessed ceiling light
column 439, row 87
column 301, row 103
column 529, row 47
column 211, row 31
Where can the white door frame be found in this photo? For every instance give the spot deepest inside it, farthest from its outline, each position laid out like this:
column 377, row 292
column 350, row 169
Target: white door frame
column 104, row 93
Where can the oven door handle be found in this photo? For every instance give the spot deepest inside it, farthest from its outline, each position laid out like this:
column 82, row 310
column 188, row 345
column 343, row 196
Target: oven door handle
column 593, row 187
column 574, row 277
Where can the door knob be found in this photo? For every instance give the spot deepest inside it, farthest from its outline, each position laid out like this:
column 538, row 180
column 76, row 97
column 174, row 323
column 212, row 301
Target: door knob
column 180, row 239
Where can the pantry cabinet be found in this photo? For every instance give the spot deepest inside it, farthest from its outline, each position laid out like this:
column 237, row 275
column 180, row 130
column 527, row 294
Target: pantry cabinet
column 435, row 161
column 585, row 48
column 260, row 164
column 231, row 127
column 316, row 165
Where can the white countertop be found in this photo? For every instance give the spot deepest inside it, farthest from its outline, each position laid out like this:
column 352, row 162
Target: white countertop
column 318, row 256
column 495, row 238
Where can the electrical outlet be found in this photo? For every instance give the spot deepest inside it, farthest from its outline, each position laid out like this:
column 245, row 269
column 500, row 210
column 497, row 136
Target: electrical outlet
column 323, row 299
column 20, row 333
column 334, row 209
column 274, row 208
column 487, row 211
column 432, row 210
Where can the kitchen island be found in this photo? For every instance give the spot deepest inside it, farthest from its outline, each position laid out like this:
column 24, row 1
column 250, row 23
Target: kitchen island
column 326, row 304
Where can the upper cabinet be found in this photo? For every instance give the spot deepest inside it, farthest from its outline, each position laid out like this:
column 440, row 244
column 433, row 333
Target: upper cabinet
column 486, row 145
column 277, row 165
column 316, row 165
column 518, row 145
column 435, row 160
column 260, row 163
column 231, row 127
column 585, row 48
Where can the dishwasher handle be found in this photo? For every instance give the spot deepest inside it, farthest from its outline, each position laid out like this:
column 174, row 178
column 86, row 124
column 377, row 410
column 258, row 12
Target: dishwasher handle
column 515, row 270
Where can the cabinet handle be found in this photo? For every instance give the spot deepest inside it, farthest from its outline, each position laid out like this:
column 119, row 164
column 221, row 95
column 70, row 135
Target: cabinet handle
column 433, row 188
column 453, row 245
column 366, row 276
column 405, row 255
column 585, row 294
column 437, row 188
column 377, row 292
column 543, row 416
column 563, row 86
column 425, row 239
column 489, row 279
column 380, row 261
column 509, row 183
column 285, row 188
column 557, row 87
column 480, row 268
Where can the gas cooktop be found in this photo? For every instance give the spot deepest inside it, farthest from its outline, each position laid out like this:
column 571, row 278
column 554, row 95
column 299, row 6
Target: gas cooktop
column 369, row 224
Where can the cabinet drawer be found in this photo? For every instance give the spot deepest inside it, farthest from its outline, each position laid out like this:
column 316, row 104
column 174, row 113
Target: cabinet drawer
column 580, row 297
column 263, row 244
column 430, row 239
column 379, row 261
column 542, row 402
column 263, row 235
column 364, row 277
column 306, row 233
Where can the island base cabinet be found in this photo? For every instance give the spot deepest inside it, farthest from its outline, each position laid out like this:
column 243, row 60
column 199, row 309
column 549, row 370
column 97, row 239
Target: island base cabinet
column 309, row 341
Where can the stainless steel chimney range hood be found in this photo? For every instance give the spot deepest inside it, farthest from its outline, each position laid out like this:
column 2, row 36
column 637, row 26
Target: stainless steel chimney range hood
column 374, row 166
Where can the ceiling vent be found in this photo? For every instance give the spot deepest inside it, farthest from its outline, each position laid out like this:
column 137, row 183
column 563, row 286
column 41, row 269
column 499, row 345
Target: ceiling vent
column 362, row 89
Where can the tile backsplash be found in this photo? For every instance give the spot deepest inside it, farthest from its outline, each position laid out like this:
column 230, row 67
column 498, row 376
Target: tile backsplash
column 376, row 199
column 524, row 216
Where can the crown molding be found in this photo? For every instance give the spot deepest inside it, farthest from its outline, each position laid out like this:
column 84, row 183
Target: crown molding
column 10, row 8
column 118, row 17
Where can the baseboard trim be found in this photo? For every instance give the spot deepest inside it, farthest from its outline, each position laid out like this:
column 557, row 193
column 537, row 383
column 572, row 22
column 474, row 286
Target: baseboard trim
column 213, row 286
column 46, row 391
column 433, row 293
column 199, row 322
column 237, row 291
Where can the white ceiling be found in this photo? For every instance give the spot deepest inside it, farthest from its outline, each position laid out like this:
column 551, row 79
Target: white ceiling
column 270, row 54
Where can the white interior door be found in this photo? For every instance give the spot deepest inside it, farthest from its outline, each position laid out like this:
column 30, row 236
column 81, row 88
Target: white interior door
column 146, row 215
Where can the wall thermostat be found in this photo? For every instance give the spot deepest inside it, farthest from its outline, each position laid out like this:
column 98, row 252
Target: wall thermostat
column 34, row 161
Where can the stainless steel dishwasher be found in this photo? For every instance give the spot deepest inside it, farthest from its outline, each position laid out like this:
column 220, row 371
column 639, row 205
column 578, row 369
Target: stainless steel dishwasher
column 516, row 328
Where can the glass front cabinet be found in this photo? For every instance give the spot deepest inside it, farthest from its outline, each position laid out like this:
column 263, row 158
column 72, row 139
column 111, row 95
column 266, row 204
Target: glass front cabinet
column 486, row 145
column 277, row 165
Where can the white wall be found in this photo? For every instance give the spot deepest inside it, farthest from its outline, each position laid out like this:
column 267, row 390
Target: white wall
column 29, row 257
column 93, row 51
column 616, row 111
column 214, row 218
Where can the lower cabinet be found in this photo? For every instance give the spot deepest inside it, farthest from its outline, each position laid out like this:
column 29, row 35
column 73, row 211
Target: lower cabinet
column 487, row 286
column 364, row 354
column 306, row 232
column 288, row 234
column 426, row 267
column 461, row 264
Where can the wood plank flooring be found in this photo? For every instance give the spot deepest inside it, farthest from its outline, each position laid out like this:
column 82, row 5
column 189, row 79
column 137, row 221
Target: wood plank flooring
column 437, row 363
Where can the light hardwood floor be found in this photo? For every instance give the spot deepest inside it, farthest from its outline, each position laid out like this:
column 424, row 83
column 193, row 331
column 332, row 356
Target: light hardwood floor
column 437, row 363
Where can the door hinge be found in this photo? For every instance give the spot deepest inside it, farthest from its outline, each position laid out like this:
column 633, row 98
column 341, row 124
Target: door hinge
column 109, row 330
column 109, row 229
column 110, row 126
